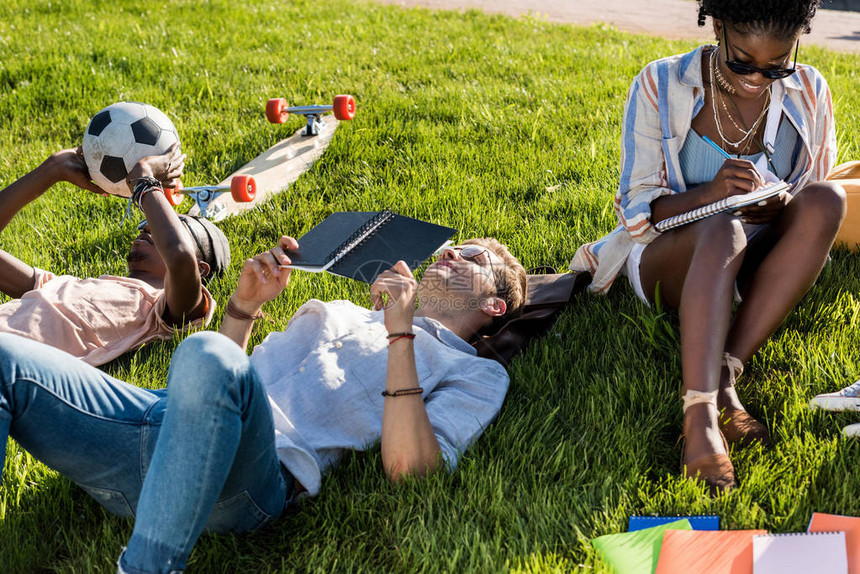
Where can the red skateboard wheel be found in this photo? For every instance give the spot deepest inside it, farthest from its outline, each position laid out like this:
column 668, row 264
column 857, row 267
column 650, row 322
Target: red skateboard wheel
column 344, row 107
column 174, row 197
column 243, row 188
column 276, row 110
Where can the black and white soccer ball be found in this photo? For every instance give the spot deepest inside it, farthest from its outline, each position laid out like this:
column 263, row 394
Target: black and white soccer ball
column 119, row 136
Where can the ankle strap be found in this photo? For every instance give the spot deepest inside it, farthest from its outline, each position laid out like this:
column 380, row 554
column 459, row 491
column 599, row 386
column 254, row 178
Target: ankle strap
column 735, row 367
column 691, row 398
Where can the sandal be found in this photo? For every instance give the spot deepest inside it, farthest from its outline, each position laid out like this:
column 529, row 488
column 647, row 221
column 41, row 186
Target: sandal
column 715, row 470
column 737, row 425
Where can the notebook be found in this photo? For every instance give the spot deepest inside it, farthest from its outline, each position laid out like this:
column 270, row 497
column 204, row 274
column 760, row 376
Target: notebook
column 635, row 552
column 730, row 203
column 700, row 522
column 814, row 552
column 363, row 244
column 707, row 552
column 850, row 525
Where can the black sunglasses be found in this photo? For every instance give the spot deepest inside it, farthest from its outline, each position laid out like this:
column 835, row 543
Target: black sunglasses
column 746, row 69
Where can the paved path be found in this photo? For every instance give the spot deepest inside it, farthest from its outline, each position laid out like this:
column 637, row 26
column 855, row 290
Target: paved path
column 837, row 30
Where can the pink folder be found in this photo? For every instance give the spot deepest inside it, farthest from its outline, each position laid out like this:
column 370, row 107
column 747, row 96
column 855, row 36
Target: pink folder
column 707, row 552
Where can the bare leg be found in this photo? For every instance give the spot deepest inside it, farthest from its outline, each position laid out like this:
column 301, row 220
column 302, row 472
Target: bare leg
column 781, row 269
column 696, row 267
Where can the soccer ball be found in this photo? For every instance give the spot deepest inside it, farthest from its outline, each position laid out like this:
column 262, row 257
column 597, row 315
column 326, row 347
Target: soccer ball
column 121, row 135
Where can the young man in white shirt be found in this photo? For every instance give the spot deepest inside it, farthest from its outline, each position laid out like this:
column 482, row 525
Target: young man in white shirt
column 233, row 438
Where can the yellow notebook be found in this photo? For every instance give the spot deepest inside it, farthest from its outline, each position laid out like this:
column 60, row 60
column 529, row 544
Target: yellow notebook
column 707, row 552
column 850, row 525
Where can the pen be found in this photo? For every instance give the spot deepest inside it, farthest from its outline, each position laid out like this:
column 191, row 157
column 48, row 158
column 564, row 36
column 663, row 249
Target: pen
column 714, row 145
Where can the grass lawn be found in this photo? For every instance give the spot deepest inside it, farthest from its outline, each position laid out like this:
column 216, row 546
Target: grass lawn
column 495, row 126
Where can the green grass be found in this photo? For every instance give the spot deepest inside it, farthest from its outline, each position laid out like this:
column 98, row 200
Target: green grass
column 496, row 126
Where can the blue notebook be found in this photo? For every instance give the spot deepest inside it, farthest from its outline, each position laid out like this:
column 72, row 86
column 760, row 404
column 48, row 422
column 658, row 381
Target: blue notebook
column 700, row 522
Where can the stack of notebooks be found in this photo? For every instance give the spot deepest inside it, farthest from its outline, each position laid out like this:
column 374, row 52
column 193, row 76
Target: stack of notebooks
column 694, row 544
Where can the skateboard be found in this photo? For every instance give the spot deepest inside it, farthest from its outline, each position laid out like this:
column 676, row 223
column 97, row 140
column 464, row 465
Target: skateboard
column 275, row 169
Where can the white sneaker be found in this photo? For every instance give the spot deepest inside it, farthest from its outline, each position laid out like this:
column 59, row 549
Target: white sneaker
column 851, row 431
column 848, row 399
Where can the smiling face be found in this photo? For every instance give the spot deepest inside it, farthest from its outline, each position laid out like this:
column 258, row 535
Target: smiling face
column 760, row 49
column 461, row 280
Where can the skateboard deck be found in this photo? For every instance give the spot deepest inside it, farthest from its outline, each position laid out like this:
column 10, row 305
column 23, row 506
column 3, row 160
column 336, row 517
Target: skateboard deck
column 273, row 170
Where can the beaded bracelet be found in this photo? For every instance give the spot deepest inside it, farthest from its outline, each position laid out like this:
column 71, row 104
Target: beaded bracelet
column 403, row 392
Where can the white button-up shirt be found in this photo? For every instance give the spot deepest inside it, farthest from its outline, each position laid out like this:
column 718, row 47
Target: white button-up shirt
column 325, row 374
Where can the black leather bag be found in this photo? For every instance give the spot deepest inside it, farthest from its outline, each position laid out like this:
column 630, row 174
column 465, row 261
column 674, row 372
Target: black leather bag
column 547, row 294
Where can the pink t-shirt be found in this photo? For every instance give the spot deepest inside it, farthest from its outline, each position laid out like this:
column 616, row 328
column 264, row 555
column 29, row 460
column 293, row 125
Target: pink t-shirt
column 96, row 320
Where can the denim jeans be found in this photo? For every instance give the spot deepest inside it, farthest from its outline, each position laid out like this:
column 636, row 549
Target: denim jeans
column 199, row 455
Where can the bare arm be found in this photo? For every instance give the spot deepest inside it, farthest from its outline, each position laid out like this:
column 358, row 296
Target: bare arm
column 262, row 279
column 182, row 283
column 16, row 277
column 409, row 445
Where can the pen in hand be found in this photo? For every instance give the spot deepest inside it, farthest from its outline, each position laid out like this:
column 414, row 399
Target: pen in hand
column 714, row 145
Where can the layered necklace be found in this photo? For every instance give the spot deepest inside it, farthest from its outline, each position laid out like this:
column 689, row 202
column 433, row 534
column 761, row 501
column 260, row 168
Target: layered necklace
column 717, row 77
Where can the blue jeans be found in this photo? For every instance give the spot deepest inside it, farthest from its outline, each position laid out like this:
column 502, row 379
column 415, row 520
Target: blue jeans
column 199, row 455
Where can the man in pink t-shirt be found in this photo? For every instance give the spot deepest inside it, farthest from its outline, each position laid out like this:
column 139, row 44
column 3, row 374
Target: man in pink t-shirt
column 98, row 319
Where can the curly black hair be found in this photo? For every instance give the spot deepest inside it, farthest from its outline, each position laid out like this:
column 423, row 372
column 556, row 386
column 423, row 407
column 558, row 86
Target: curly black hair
column 783, row 17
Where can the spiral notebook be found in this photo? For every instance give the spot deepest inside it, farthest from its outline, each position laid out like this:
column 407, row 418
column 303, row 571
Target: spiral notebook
column 363, row 244
column 815, row 552
column 730, row 203
column 850, row 525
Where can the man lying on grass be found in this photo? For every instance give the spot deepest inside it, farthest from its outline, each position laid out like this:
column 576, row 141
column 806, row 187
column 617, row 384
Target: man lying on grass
column 98, row 320
column 234, row 439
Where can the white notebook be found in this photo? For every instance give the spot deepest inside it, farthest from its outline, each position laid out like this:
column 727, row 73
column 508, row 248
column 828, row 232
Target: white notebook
column 800, row 552
column 730, row 203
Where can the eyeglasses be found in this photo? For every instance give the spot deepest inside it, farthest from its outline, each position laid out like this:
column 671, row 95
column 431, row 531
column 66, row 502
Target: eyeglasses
column 746, row 69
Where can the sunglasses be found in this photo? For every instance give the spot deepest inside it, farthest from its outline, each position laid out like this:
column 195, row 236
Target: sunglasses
column 483, row 258
column 746, row 69
column 474, row 253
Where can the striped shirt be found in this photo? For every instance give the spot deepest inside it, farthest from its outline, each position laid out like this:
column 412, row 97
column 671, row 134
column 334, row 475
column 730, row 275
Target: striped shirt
column 661, row 105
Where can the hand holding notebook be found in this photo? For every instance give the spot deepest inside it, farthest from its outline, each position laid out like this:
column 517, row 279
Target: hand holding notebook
column 731, row 203
column 363, row 244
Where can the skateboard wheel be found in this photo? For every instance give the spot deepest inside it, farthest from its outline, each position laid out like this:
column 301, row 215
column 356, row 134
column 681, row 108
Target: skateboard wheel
column 174, row 197
column 243, row 188
column 344, row 107
column 276, row 110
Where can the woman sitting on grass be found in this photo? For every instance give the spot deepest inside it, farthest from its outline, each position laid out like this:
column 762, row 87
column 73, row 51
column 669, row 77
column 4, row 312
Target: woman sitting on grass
column 749, row 95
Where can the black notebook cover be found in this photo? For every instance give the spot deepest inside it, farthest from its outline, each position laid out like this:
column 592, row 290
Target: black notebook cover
column 390, row 238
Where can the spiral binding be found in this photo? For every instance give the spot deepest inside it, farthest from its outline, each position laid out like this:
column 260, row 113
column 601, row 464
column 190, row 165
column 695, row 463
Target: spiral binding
column 692, row 215
column 359, row 237
column 725, row 204
column 782, row 534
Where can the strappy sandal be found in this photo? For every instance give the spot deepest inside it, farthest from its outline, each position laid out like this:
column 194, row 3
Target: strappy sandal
column 715, row 470
column 737, row 425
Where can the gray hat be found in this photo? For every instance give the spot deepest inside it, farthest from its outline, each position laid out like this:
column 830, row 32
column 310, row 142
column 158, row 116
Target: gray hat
column 211, row 242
